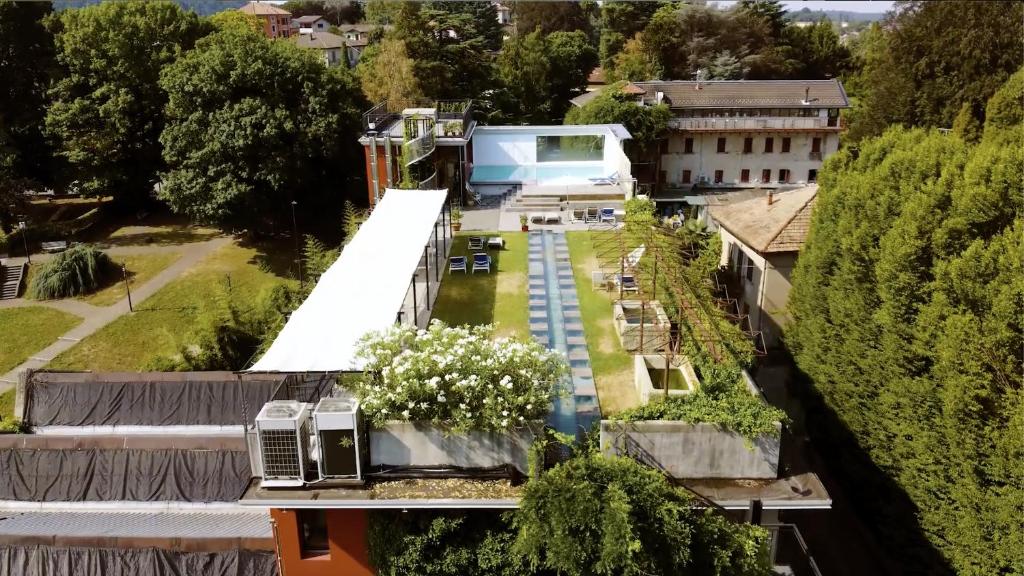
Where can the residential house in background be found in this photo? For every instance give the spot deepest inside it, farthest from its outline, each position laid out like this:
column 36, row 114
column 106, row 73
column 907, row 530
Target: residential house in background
column 504, row 14
column 739, row 133
column 313, row 22
column 762, row 235
column 357, row 37
column 596, row 80
column 331, row 46
column 277, row 23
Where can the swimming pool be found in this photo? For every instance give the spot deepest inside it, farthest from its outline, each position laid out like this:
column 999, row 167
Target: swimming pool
column 551, row 174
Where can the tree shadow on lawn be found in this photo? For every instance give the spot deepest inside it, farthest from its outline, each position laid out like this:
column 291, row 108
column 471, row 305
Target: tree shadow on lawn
column 274, row 254
column 465, row 297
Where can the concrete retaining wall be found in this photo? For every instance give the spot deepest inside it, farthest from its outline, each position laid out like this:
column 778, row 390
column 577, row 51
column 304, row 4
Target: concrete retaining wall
column 426, row 444
column 692, row 450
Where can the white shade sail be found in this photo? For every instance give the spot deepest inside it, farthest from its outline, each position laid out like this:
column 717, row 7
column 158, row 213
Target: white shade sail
column 362, row 291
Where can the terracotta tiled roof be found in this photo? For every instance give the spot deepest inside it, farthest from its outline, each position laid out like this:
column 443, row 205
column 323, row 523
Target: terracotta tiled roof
column 263, row 9
column 633, row 89
column 596, row 76
column 308, row 19
column 748, row 93
column 781, row 226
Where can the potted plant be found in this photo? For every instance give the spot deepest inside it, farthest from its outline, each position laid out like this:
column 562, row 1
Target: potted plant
column 522, row 222
column 456, row 218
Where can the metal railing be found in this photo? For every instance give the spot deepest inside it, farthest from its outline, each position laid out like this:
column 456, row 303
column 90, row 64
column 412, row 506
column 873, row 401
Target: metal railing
column 453, row 117
column 429, row 184
column 379, row 117
column 788, row 548
column 419, row 148
column 785, row 123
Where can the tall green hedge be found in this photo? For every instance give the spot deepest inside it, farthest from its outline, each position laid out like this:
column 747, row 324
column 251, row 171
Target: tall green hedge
column 907, row 302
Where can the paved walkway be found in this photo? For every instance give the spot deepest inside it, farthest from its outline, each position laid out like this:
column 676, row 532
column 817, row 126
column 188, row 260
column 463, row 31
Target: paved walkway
column 96, row 317
column 555, row 321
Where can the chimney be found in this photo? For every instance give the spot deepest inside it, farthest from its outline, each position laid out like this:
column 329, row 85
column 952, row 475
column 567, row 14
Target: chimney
column 771, row 197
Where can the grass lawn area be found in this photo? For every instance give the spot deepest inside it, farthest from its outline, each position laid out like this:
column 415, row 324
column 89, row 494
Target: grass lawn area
column 612, row 366
column 7, row 404
column 28, row 330
column 141, row 269
column 132, row 341
column 497, row 298
column 156, row 229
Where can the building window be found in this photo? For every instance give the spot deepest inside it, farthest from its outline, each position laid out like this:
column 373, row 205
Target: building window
column 769, row 145
column 812, row 175
column 662, row 176
column 745, row 175
column 721, row 145
column 749, row 272
column 718, row 176
column 785, row 145
column 313, row 532
column 688, row 146
column 766, row 176
column 748, row 145
column 663, row 146
column 686, row 176
column 783, row 176
column 816, row 145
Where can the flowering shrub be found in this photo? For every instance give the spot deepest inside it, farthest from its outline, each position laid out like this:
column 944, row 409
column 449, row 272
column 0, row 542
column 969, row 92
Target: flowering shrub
column 457, row 376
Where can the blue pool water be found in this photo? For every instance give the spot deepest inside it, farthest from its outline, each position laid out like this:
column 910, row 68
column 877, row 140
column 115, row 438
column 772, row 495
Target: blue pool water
column 536, row 173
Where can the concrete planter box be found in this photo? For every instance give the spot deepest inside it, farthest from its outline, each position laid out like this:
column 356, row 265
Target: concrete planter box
column 647, row 369
column 692, row 450
column 653, row 331
column 428, row 444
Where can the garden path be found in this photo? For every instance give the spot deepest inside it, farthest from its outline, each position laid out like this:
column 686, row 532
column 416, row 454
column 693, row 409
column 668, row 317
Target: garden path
column 96, row 317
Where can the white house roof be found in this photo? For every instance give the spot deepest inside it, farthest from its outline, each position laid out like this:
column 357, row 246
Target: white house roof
column 362, row 291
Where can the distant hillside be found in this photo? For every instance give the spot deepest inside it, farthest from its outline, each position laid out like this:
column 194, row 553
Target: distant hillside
column 201, row 7
column 808, row 15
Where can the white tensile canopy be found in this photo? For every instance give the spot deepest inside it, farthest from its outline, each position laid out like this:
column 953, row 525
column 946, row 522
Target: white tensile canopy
column 363, row 291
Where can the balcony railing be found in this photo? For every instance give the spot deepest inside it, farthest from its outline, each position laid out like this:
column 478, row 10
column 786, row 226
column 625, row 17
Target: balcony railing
column 754, row 124
column 379, row 117
column 453, row 118
column 788, row 548
column 419, row 148
column 428, row 184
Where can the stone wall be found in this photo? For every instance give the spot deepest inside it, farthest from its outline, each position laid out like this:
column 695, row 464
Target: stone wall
column 686, row 450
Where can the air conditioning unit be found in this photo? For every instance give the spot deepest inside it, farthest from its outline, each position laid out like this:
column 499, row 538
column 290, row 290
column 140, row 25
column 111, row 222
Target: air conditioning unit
column 341, row 443
column 283, row 428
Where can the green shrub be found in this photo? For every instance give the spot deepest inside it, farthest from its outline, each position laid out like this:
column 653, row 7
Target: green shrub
column 735, row 410
column 78, row 270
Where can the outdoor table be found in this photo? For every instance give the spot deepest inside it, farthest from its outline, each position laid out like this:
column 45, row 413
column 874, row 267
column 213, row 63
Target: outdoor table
column 496, row 242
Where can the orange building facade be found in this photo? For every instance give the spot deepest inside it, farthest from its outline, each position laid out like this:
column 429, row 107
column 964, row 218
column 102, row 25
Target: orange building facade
column 277, row 23
column 321, row 542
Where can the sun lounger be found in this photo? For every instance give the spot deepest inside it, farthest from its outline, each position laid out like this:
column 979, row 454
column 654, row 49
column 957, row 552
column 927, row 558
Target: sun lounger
column 457, row 263
column 607, row 215
column 592, row 216
column 552, row 218
column 476, row 243
column 481, row 262
column 578, row 215
column 536, row 218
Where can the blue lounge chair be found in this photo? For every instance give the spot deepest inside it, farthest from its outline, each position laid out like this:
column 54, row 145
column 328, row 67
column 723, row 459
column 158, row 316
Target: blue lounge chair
column 481, row 262
column 476, row 243
column 607, row 215
column 627, row 282
column 457, row 263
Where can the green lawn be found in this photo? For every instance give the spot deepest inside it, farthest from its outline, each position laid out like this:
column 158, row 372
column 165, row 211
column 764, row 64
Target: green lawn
column 156, row 328
column 141, row 269
column 498, row 298
column 28, row 330
column 612, row 366
column 7, row 404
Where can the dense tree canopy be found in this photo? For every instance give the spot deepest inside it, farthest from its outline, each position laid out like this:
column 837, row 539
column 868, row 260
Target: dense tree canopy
column 931, row 58
column 908, row 299
column 566, row 16
column 523, row 69
column 621, row 20
column 386, row 72
column 253, row 123
column 107, row 110
column 645, row 123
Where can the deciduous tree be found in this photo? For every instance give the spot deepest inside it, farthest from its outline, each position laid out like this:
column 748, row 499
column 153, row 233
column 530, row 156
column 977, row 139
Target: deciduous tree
column 645, row 123
column 523, row 69
column 385, row 71
column 571, row 57
column 567, row 16
column 107, row 110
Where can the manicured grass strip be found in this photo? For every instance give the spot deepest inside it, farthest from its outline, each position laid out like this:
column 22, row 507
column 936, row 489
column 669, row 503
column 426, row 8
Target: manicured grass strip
column 141, row 268
column 28, row 330
column 7, row 404
column 160, row 323
column 612, row 366
column 498, row 298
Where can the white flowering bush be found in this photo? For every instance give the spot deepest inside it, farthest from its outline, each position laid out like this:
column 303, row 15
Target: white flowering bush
column 457, row 376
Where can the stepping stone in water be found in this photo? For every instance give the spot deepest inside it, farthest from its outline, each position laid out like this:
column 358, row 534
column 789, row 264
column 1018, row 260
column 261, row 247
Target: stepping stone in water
column 577, row 354
column 538, row 302
column 571, row 313
column 536, row 291
column 574, row 326
column 576, row 340
column 534, row 314
column 539, row 327
column 582, row 373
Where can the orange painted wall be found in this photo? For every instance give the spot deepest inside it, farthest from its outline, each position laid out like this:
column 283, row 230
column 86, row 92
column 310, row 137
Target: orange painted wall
column 382, row 175
column 346, row 534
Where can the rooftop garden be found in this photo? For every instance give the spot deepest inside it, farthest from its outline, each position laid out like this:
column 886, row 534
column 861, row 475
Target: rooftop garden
column 459, row 377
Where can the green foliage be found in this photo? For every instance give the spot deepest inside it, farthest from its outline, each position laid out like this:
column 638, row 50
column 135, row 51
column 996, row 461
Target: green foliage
column 621, row 20
column 523, row 69
column 430, row 543
column 908, row 299
column 27, row 66
column 351, row 219
column 966, row 124
column 549, row 17
column 635, row 63
column 932, row 58
column 316, row 259
column 595, row 515
column 78, row 270
column 107, row 109
column 1004, row 109
column 252, row 124
column 734, row 409
column 645, row 123
column 386, row 72
column 14, row 426
column 571, row 57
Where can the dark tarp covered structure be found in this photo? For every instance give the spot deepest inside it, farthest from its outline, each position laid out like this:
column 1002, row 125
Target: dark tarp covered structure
column 147, row 399
column 129, row 474
column 24, row 560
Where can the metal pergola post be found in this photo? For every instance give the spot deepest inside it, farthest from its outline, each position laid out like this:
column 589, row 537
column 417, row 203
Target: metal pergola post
column 426, row 275
column 415, row 304
column 437, row 265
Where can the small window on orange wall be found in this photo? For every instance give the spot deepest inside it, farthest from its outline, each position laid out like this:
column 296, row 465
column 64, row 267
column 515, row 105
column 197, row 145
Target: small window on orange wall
column 313, row 532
